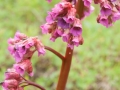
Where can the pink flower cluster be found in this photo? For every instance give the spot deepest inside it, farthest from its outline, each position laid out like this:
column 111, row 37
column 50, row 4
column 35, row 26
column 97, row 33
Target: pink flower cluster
column 109, row 13
column 21, row 48
column 62, row 22
column 12, row 80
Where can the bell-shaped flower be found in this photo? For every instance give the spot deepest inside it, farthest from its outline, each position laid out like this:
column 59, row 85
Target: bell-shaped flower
column 106, row 9
column 24, row 66
column 12, row 74
column 76, row 30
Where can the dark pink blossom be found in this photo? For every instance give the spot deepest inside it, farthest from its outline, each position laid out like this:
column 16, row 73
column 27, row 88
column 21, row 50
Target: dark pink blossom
column 88, row 10
column 12, row 74
column 76, row 30
column 115, row 17
column 21, row 47
column 62, row 22
column 24, row 66
column 106, row 9
column 87, row 2
column 57, row 33
column 10, row 84
column 76, row 41
column 104, row 20
column 48, row 27
column 70, row 17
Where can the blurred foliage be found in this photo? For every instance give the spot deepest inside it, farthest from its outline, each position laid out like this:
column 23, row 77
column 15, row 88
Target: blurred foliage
column 95, row 64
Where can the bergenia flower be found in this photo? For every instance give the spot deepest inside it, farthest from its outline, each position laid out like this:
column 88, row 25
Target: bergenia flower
column 106, row 9
column 62, row 22
column 76, row 30
column 10, row 84
column 104, row 20
column 20, row 46
column 116, row 16
column 24, row 66
column 87, row 2
column 109, row 13
column 12, row 74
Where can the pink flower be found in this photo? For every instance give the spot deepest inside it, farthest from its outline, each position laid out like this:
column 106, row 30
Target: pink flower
column 24, row 66
column 76, row 30
column 70, row 17
column 24, row 47
column 106, row 9
column 87, row 2
column 10, row 84
column 19, row 36
column 48, row 28
column 12, row 74
column 115, row 16
column 62, row 23
column 88, row 10
column 104, row 20
column 57, row 33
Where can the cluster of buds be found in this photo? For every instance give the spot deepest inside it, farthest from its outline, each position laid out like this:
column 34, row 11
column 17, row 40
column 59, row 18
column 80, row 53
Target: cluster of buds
column 21, row 48
column 109, row 13
column 12, row 80
column 62, row 22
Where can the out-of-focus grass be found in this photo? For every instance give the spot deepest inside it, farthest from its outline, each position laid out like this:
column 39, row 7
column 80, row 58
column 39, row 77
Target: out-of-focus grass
column 95, row 64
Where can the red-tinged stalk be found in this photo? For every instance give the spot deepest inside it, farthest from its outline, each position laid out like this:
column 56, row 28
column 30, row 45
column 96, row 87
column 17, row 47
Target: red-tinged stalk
column 55, row 52
column 30, row 83
column 65, row 69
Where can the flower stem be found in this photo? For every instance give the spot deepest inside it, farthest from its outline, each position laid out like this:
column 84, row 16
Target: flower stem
column 80, row 8
column 55, row 52
column 30, row 83
column 36, row 85
column 65, row 69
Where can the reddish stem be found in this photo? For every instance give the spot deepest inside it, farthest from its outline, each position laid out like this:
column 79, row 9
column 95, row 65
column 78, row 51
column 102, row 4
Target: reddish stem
column 36, row 85
column 80, row 8
column 31, row 83
column 65, row 69
column 55, row 52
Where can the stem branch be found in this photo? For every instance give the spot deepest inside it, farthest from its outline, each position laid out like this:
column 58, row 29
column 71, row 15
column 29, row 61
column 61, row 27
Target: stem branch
column 36, row 85
column 55, row 52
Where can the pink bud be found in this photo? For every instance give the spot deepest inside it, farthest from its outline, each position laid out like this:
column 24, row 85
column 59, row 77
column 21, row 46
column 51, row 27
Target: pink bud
column 24, row 66
column 10, row 84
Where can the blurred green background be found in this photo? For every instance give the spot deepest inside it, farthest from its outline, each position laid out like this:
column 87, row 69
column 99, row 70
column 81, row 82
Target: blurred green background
column 95, row 65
